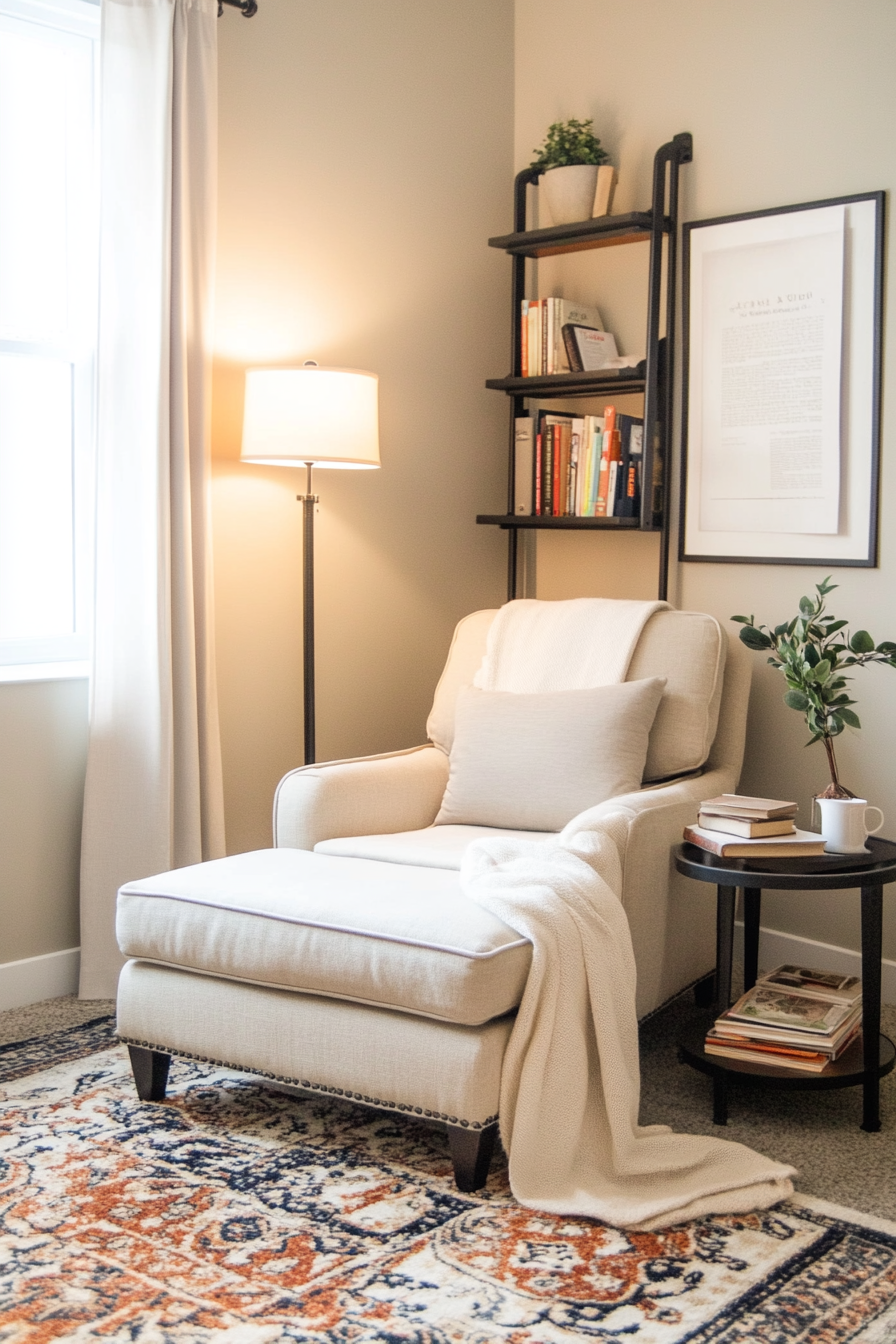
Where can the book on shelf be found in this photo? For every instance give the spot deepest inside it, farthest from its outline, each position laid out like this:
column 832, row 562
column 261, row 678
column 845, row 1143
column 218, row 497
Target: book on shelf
column 780, row 1056
column 787, row 1026
column 552, row 427
column 609, row 453
column 568, row 312
column 569, row 465
column 832, row 985
column 547, row 469
column 587, row 349
column 542, row 348
column 749, row 808
column 593, row 440
column 766, row 1008
column 603, row 195
column 801, row 844
column 523, row 464
column 740, row 826
column 743, row 1036
column 627, row 497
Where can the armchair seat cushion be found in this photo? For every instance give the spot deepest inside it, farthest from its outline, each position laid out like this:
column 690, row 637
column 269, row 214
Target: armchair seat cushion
column 431, row 847
column 392, row 935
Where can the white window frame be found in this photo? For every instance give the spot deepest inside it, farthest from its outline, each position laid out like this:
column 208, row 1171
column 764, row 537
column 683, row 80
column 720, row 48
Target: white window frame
column 56, row 657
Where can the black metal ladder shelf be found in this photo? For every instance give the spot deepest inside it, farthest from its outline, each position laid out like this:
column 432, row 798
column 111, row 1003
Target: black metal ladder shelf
column 653, row 378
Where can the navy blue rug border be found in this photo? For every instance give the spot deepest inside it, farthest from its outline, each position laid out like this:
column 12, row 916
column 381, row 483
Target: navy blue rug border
column 18, row 1059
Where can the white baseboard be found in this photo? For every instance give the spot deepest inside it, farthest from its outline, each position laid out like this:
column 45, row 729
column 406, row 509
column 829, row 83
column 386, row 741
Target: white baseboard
column 776, row 947
column 37, row 978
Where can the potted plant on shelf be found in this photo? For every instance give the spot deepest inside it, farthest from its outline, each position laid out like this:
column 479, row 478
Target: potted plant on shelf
column 570, row 160
column 811, row 651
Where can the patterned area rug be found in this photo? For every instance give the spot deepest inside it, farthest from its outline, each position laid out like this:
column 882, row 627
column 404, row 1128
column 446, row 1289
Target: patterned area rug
column 238, row 1214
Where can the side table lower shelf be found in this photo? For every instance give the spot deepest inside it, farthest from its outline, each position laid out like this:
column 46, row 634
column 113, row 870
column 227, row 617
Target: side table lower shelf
column 847, row 1071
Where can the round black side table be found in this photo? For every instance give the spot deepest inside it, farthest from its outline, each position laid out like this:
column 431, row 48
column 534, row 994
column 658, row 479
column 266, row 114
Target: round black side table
column 867, row 1060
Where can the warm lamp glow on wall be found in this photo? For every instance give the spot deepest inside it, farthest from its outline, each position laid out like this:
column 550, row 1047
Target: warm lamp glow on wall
column 310, row 417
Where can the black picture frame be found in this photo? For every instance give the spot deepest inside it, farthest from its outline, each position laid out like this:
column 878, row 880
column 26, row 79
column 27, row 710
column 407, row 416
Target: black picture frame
column 858, row 546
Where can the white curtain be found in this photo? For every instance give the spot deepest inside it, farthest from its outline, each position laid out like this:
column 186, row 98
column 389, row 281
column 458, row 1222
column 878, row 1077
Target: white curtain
column 153, row 796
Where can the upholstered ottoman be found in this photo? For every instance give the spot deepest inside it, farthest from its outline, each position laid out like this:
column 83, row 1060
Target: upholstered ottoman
column 319, row 972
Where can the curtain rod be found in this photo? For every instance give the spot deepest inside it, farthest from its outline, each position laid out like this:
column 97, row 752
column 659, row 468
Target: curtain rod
column 246, row 7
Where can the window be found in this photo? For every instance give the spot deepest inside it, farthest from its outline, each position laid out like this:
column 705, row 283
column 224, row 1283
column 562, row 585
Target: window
column 49, row 56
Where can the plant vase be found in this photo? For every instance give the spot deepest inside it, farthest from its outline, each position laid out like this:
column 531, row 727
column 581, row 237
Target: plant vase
column 569, row 192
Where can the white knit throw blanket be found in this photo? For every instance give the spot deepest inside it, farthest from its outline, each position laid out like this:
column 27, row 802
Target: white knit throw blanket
column 570, row 1083
column 534, row 647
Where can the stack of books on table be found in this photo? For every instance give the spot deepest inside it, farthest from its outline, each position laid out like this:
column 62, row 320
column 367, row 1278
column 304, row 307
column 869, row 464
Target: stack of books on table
column 736, row 826
column 792, row 1018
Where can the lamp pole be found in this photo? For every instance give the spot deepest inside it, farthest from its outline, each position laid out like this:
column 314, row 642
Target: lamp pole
column 310, row 417
column 308, row 501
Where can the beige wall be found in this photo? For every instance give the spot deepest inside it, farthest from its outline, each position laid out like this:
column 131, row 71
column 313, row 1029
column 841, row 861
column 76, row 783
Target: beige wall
column 43, row 731
column 366, row 156
column 786, row 103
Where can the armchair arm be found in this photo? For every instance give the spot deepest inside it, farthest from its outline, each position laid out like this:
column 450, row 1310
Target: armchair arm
column 372, row 795
column 672, row 919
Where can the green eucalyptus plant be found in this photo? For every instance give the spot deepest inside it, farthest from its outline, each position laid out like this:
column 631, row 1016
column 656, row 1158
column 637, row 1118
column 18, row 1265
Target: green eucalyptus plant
column 811, row 651
column 569, row 142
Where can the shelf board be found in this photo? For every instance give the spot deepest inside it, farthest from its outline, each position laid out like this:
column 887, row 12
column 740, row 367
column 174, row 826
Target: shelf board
column 569, row 384
column 567, row 523
column 607, row 231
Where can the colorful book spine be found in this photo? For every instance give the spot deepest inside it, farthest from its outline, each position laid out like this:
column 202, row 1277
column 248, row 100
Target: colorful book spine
column 524, row 339
column 547, row 497
column 594, row 460
column 612, row 478
column 607, row 452
column 576, row 464
column 557, row 478
column 631, row 431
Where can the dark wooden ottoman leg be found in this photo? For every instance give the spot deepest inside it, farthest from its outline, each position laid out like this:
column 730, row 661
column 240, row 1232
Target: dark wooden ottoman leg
column 471, row 1155
column 150, row 1069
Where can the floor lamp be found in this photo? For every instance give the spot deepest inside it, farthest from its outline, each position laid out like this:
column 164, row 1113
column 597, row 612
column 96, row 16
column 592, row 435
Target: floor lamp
column 311, row 417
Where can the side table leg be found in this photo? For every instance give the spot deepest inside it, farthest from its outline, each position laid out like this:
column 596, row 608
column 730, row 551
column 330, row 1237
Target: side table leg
column 872, row 922
column 752, row 912
column 724, row 945
column 719, row 1098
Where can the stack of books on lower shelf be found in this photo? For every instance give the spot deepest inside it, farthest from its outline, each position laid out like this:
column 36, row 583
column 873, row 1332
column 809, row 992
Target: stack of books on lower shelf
column 792, row 1018
column 737, row 826
column 584, row 466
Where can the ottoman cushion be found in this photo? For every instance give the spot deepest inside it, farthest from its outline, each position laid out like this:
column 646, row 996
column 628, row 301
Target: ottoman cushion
column 396, row 936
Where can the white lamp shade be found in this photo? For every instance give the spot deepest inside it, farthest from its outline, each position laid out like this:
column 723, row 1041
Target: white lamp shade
column 324, row 416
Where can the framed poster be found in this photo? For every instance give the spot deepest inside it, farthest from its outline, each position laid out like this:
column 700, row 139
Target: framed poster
column 781, row 398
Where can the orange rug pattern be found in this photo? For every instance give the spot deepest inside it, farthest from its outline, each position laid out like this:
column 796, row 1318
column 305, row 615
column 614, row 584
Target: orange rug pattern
column 237, row 1213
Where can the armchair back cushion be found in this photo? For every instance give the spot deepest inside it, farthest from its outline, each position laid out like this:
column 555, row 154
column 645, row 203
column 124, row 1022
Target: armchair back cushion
column 687, row 648
column 536, row 761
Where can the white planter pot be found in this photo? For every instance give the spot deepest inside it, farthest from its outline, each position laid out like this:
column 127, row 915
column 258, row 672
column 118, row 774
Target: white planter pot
column 569, row 192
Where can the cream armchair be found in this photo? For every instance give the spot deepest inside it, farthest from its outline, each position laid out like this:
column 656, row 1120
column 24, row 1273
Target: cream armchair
column 347, row 960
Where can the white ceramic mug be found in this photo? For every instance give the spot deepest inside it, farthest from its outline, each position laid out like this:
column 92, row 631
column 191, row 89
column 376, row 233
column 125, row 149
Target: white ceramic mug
column 844, row 824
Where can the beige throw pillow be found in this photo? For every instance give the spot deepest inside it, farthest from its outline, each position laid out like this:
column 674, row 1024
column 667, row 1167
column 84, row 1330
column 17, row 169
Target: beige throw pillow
column 533, row 762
